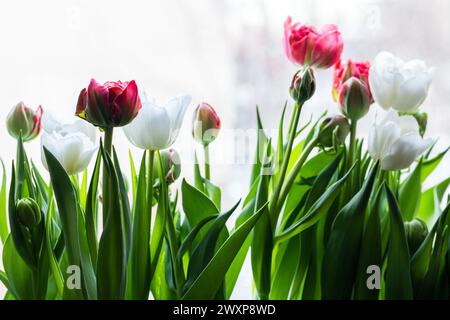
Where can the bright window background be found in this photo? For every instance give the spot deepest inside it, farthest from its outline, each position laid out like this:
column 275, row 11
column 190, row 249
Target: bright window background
column 228, row 53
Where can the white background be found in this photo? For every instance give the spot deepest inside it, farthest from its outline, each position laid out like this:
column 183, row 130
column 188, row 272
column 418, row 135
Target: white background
column 228, row 53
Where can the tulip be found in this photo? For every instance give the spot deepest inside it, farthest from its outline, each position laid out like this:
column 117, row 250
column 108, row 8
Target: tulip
column 28, row 212
column 396, row 141
column 333, row 128
column 398, row 84
column 22, row 121
column 354, row 99
column 344, row 71
column 113, row 104
column 157, row 125
column 304, row 45
column 73, row 145
column 303, row 85
column 205, row 124
column 171, row 165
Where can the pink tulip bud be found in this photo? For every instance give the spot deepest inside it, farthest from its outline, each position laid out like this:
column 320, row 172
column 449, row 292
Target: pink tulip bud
column 354, row 99
column 303, row 85
column 113, row 104
column 23, row 121
column 344, row 71
column 205, row 124
column 304, row 45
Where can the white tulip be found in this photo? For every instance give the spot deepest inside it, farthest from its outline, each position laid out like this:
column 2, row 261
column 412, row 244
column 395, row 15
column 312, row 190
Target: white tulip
column 157, row 125
column 396, row 141
column 73, row 145
column 399, row 84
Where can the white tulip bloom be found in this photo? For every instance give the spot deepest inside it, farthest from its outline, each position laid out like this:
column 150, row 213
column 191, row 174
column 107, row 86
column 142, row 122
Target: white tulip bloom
column 396, row 141
column 157, row 125
column 399, row 84
column 73, row 145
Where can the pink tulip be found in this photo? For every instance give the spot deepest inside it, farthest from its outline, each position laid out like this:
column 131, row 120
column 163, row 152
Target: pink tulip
column 304, row 45
column 344, row 71
column 113, row 104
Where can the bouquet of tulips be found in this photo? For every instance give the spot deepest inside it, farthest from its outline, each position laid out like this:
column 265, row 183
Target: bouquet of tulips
column 328, row 214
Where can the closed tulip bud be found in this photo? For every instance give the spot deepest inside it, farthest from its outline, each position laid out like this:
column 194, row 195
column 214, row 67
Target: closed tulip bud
column 171, row 165
column 303, row 85
column 422, row 120
column 354, row 99
column 23, row 121
column 416, row 231
column 333, row 129
column 28, row 212
column 205, row 124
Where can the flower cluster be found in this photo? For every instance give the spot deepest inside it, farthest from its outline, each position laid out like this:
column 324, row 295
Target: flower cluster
column 315, row 201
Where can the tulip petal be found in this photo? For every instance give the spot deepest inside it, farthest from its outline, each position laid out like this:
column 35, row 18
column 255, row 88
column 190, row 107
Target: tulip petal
column 97, row 99
column 404, row 151
column 412, row 93
column 126, row 105
column 176, row 109
column 408, row 124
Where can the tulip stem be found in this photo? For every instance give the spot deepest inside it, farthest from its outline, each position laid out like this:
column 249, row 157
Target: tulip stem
column 207, row 165
column 293, row 174
column 151, row 156
column 105, row 183
column 351, row 150
column 287, row 155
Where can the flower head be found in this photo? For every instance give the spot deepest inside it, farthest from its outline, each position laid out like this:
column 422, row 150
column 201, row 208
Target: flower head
column 399, row 84
column 113, row 104
column 23, row 121
column 354, row 98
column 304, row 45
column 157, row 125
column 345, row 70
column 396, row 141
column 205, row 124
column 73, row 145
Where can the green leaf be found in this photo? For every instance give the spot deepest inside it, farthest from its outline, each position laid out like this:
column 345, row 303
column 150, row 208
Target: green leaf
column 67, row 208
column 370, row 250
column 285, row 269
column 3, row 215
column 344, row 245
column 111, row 263
column 139, row 267
column 260, row 147
column 213, row 192
column 19, row 275
column 198, row 179
column 209, row 281
column 205, row 250
column 429, row 165
column 427, row 208
column 316, row 211
column 398, row 272
column 91, row 212
column 196, row 205
column 133, row 174
column 409, row 194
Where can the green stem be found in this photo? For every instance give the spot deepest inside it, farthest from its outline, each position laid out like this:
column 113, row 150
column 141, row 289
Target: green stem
column 105, row 183
column 151, row 156
column 287, row 155
column 207, row 165
column 351, row 150
column 293, row 174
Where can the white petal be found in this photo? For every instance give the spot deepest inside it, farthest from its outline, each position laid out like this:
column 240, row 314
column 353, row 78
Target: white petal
column 411, row 93
column 408, row 124
column 176, row 109
column 404, row 151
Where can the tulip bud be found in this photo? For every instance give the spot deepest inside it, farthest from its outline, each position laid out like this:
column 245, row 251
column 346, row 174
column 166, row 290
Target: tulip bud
column 354, row 99
column 422, row 120
column 333, row 128
column 28, row 212
column 416, row 231
column 23, row 121
column 205, row 124
column 303, row 85
column 171, row 165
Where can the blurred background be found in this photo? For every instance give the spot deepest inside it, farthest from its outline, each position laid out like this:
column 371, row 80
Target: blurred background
column 228, row 53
